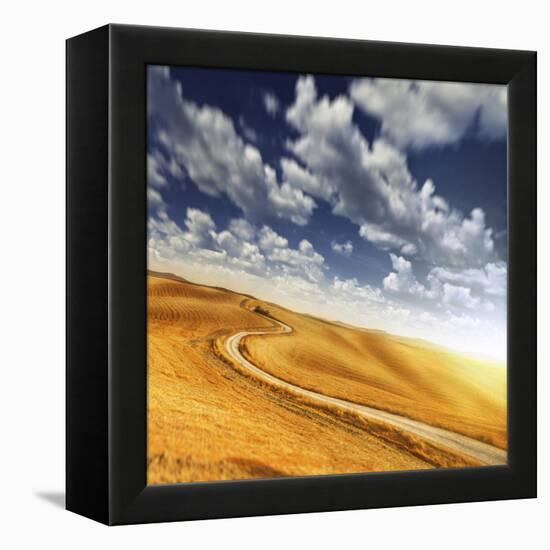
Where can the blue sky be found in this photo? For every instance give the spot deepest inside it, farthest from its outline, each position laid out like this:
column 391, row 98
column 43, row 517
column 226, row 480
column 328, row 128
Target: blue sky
column 376, row 202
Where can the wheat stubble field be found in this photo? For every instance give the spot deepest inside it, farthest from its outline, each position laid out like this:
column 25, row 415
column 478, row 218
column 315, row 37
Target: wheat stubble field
column 210, row 419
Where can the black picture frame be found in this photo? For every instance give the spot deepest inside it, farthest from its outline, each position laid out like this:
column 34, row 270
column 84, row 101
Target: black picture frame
column 106, row 274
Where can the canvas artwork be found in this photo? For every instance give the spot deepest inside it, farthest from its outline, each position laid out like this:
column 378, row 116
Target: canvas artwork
column 327, row 272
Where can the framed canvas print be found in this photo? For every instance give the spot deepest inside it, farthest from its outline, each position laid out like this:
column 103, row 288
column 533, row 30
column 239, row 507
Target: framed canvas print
column 301, row 274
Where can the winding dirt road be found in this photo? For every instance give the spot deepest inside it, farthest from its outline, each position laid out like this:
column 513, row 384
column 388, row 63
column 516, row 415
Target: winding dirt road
column 485, row 453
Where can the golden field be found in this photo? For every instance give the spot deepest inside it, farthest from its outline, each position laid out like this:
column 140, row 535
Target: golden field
column 400, row 375
column 209, row 420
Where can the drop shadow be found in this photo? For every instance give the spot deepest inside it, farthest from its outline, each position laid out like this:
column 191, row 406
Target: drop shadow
column 55, row 498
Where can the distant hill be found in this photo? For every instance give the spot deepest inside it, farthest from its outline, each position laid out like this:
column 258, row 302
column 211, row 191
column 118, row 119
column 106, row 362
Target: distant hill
column 163, row 275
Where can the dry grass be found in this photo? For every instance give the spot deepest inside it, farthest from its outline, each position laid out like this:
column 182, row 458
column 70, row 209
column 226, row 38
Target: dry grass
column 208, row 421
column 405, row 376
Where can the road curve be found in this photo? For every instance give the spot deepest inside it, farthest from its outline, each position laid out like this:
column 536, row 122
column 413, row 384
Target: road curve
column 483, row 452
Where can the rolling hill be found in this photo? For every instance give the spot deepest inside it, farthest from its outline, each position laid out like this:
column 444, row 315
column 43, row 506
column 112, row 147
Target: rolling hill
column 209, row 420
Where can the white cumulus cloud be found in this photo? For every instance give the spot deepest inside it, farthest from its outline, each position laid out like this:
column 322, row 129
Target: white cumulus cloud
column 203, row 141
column 271, row 103
column 420, row 114
column 402, row 279
column 346, row 248
column 240, row 246
column 371, row 185
column 490, row 279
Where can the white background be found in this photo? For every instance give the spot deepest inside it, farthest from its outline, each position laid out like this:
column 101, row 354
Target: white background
column 32, row 133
